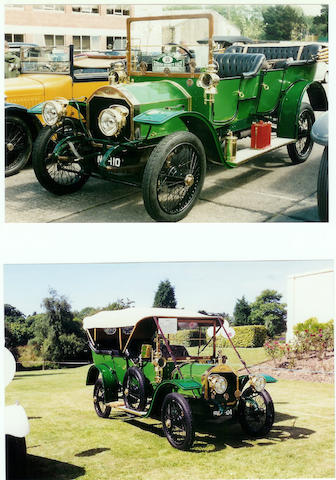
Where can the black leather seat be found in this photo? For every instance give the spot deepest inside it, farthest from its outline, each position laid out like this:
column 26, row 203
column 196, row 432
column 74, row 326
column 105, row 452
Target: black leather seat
column 237, row 64
column 279, row 52
column 309, row 51
column 177, row 350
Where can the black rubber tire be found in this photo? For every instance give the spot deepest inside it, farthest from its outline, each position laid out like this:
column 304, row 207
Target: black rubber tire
column 134, row 389
column 246, row 413
column 16, row 457
column 296, row 154
column 101, row 409
column 175, row 403
column 44, row 144
column 323, row 188
column 157, row 165
column 19, row 135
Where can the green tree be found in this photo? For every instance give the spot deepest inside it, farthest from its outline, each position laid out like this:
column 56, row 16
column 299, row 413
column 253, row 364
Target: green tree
column 269, row 311
column 241, row 313
column 165, row 295
column 58, row 335
column 284, row 22
column 320, row 23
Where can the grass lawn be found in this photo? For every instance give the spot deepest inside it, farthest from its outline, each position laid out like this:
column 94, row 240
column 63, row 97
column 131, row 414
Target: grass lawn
column 68, row 440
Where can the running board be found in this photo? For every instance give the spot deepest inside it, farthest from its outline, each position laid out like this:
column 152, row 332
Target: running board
column 246, row 154
column 133, row 412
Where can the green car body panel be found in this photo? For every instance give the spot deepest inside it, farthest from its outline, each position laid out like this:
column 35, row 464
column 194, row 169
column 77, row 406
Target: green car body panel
column 200, row 107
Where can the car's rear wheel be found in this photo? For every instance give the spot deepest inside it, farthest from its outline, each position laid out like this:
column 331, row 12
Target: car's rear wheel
column 101, row 409
column 18, row 144
column 301, row 149
column 177, row 421
column 59, row 176
column 322, row 188
column 174, row 177
column 134, row 388
column 256, row 412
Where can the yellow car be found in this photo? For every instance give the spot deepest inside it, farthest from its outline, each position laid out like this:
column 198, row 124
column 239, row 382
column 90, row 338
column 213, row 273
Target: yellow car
column 46, row 73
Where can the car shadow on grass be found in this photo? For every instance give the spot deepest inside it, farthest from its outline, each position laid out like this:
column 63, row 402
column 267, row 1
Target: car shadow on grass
column 42, row 468
column 217, row 437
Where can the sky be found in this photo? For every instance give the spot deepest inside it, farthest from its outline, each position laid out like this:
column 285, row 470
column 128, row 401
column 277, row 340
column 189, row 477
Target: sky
column 210, row 286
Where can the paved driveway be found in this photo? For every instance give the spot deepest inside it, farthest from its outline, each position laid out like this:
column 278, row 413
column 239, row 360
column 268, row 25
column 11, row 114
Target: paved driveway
column 267, row 189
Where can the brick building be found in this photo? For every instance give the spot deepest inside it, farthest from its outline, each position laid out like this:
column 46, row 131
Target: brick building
column 88, row 27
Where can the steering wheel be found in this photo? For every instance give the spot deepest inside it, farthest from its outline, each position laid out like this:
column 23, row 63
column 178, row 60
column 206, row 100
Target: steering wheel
column 186, row 50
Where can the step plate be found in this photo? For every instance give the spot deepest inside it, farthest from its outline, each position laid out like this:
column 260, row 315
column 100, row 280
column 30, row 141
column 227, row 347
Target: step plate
column 133, row 412
column 246, row 154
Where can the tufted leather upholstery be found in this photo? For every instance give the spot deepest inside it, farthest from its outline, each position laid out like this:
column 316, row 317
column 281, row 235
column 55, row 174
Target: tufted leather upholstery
column 309, row 51
column 277, row 51
column 236, row 64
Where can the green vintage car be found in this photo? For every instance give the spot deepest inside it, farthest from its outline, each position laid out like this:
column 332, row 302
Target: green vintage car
column 140, row 370
column 178, row 105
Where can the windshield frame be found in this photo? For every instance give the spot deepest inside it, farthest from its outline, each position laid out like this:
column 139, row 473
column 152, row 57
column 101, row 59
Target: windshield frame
column 130, row 20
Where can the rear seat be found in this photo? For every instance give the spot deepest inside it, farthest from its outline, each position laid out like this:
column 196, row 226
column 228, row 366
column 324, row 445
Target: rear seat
column 278, row 52
column 238, row 64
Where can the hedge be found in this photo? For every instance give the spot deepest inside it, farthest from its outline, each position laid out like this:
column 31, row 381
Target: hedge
column 248, row 336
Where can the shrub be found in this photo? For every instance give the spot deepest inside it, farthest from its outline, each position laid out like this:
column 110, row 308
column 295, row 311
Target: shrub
column 314, row 337
column 246, row 336
column 188, row 338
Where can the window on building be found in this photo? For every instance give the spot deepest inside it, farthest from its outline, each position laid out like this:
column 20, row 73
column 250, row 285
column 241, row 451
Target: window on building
column 81, row 43
column 49, row 6
column 14, row 37
column 85, row 8
column 54, row 40
column 116, row 43
column 117, row 10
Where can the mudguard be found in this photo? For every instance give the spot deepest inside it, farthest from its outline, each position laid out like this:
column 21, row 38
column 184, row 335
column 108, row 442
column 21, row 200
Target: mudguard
column 33, row 123
column 289, row 109
column 109, row 378
column 195, row 122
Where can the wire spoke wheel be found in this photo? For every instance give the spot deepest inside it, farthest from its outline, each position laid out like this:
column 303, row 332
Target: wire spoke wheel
column 256, row 412
column 101, row 409
column 177, row 421
column 134, row 389
column 18, row 144
column 174, row 176
column 301, row 149
column 64, row 170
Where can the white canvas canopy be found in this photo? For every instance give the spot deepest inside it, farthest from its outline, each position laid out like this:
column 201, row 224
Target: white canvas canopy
column 131, row 316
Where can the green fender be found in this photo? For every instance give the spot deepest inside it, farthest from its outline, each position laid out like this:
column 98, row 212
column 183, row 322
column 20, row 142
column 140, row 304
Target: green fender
column 195, row 122
column 186, row 387
column 289, row 109
column 109, row 377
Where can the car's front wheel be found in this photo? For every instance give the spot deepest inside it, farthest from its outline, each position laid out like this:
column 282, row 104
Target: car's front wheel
column 59, row 174
column 174, row 177
column 322, row 188
column 256, row 412
column 18, row 144
column 301, row 149
column 101, row 409
column 177, row 421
